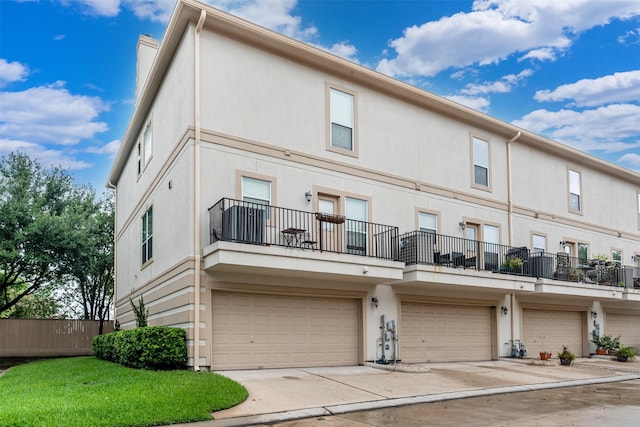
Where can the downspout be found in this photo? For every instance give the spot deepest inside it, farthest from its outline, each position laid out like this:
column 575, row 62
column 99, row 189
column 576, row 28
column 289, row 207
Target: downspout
column 196, row 197
column 115, row 258
column 510, row 217
column 509, row 187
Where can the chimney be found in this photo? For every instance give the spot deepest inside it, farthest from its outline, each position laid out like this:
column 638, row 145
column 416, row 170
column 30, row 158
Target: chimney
column 147, row 49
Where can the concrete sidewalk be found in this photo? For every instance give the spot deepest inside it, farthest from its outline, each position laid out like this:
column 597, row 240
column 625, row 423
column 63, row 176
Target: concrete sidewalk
column 277, row 395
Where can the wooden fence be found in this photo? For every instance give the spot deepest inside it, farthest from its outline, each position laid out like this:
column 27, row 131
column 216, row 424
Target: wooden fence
column 48, row 338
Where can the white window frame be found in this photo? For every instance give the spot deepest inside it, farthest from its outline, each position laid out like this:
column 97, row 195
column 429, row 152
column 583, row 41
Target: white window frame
column 480, row 158
column 574, row 177
column 538, row 243
column 147, row 236
column 428, row 222
column 147, row 138
column 341, row 105
column 356, row 228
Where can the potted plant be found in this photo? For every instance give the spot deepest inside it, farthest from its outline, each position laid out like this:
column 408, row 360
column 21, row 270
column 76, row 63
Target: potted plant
column 512, row 264
column 599, row 342
column 625, row 353
column 566, row 356
column 611, row 345
column 544, row 355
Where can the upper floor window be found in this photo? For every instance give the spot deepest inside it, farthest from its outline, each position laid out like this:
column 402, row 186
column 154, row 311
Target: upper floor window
column 428, row 222
column 539, row 243
column 148, row 143
column 139, row 158
column 147, row 236
column 481, row 170
column 256, row 190
column 342, row 121
column 583, row 253
column 616, row 255
column 357, row 213
column 327, row 204
column 575, row 193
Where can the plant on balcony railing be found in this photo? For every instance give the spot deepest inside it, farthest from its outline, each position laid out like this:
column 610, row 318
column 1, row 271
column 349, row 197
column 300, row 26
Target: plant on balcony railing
column 512, row 264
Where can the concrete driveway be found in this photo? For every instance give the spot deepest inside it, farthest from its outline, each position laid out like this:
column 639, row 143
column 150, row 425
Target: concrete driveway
column 287, row 394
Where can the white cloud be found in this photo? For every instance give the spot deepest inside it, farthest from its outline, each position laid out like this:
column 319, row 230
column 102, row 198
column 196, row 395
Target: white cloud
column 59, row 37
column 343, row 49
column 50, row 114
column 504, row 85
column 497, row 29
column 110, row 148
column 630, row 37
column 618, row 87
column 475, row 102
column 630, row 159
column 12, row 72
column 604, row 128
column 46, row 156
column 108, row 8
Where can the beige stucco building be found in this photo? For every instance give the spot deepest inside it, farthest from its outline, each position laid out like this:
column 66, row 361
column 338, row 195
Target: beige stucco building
column 283, row 205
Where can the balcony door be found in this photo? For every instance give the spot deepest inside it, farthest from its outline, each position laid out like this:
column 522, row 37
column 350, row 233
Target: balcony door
column 357, row 213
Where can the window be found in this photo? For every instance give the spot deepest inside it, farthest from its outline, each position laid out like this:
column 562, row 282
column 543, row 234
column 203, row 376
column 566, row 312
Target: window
column 342, row 120
column 539, row 243
column 480, row 162
column 616, row 255
column 148, row 143
column 575, row 202
column 139, row 158
column 356, row 211
column 583, row 253
column 147, row 236
column 428, row 222
column 327, row 205
column 257, row 191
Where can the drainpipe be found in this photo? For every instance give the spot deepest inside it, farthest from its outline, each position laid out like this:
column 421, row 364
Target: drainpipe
column 510, row 218
column 196, row 197
column 115, row 258
column 509, row 187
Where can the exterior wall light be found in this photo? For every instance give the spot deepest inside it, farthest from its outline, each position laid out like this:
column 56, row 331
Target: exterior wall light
column 462, row 225
column 308, row 195
column 504, row 310
column 594, row 314
column 375, row 302
column 634, row 258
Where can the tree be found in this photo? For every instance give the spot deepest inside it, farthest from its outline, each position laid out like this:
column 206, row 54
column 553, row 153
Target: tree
column 91, row 268
column 42, row 214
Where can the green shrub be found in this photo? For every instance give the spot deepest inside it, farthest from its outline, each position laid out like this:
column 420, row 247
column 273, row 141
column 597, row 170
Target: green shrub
column 150, row 347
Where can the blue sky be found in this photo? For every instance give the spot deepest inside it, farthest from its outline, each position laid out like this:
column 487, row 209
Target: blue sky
column 568, row 70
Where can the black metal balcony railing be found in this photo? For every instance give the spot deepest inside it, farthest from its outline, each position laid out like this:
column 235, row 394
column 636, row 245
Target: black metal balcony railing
column 419, row 247
column 260, row 224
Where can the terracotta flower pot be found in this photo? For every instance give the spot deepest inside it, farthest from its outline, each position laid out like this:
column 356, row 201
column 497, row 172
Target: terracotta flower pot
column 601, row 352
column 545, row 355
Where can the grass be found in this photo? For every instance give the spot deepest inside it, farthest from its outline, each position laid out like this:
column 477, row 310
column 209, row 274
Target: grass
column 85, row 391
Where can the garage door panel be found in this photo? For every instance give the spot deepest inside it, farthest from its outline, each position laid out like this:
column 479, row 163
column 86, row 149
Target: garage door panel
column 549, row 330
column 252, row 331
column 430, row 331
column 627, row 326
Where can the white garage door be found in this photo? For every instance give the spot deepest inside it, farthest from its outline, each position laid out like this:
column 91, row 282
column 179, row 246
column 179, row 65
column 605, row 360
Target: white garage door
column 549, row 330
column 627, row 326
column 268, row 331
column 444, row 333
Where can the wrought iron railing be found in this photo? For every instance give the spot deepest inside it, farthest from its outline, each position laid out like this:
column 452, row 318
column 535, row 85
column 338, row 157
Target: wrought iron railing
column 261, row 224
column 420, row 247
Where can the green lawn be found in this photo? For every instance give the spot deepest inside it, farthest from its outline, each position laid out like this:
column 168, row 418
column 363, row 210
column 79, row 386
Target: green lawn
column 85, row 391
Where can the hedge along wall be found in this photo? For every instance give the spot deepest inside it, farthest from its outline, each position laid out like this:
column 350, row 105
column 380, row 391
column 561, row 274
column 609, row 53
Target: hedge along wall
column 149, row 347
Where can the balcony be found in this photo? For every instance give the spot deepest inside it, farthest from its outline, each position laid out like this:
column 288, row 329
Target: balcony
column 255, row 238
column 419, row 247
